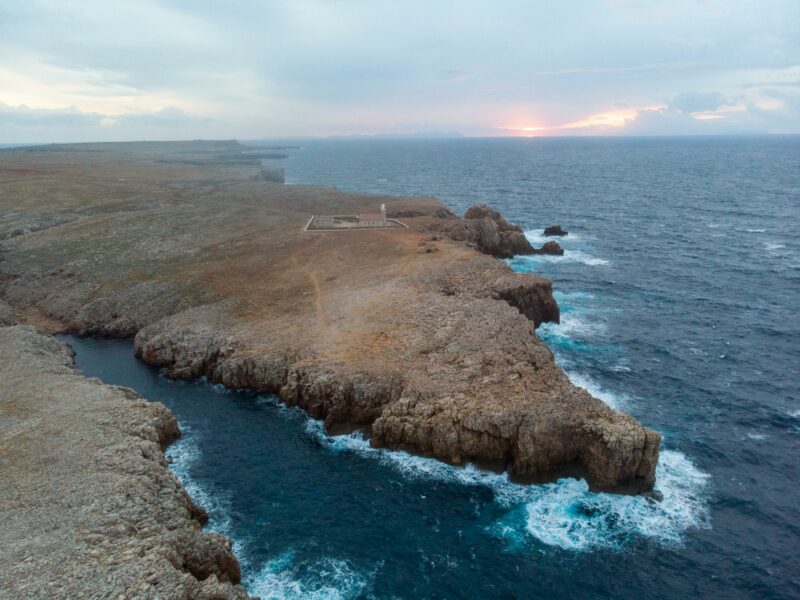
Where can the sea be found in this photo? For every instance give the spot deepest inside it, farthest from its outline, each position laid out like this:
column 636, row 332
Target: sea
column 680, row 297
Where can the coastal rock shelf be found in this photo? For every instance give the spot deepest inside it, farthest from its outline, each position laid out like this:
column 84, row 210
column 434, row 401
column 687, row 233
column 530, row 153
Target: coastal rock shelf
column 417, row 336
column 88, row 507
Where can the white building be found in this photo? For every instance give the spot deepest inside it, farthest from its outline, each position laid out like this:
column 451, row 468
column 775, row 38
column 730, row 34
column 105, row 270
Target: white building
column 373, row 219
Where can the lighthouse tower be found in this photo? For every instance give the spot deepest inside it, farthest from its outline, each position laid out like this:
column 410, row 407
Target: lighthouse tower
column 383, row 214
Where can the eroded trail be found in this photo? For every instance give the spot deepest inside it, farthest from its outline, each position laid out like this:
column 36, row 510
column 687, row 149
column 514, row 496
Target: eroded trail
column 302, row 265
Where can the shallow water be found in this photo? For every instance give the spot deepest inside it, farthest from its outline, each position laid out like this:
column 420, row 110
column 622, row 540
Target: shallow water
column 680, row 290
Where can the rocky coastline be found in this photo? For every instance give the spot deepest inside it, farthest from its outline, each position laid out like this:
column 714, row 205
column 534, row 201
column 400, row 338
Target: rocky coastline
column 88, row 505
column 418, row 337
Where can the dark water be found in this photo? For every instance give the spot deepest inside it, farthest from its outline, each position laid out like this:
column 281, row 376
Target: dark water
column 680, row 291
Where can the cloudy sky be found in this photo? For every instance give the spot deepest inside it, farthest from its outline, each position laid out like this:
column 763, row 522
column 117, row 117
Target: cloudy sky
column 75, row 70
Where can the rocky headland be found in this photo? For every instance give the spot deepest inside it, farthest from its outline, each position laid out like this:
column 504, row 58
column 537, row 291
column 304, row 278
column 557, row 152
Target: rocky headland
column 420, row 337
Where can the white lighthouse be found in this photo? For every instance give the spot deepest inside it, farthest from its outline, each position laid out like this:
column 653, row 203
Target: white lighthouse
column 383, row 214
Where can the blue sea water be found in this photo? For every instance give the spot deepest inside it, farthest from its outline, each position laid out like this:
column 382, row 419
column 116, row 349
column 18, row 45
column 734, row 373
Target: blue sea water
column 680, row 294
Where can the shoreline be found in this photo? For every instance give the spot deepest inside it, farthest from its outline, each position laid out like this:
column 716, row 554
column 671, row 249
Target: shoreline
column 90, row 500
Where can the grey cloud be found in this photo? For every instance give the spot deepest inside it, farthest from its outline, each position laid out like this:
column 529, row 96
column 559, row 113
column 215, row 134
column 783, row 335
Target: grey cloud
column 690, row 102
column 166, row 117
column 23, row 116
column 284, row 67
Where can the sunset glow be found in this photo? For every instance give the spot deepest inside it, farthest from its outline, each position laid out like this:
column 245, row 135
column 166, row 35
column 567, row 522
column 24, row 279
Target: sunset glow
column 169, row 70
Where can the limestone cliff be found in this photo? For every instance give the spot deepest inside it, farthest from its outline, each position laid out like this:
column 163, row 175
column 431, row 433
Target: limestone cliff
column 88, row 507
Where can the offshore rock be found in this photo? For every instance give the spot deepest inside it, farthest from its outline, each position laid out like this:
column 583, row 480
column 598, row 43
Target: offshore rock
column 550, row 248
column 88, row 507
column 555, row 230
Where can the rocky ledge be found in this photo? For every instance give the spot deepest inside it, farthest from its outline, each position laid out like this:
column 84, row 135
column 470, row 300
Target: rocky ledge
column 434, row 351
column 88, row 507
column 487, row 231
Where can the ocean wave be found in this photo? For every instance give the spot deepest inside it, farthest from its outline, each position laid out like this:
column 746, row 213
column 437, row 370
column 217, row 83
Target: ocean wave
column 184, row 454
column 536, row 237
column 573, row 326
column 564, row 514
column 615, row 401
column 772, row 246
column 282, row 578
column 528, row 263
column 572, row 296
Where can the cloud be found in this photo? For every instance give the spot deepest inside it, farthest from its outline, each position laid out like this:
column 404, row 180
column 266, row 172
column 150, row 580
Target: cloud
column 24, row 116
column 308, row 67
column 166, row 117
column 690, row 102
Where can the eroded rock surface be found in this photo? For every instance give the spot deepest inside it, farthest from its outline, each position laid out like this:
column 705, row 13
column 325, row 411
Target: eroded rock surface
column 487, row 231
column 88, row 507
column 551, row 248
column 554, row 230
column 408, row 334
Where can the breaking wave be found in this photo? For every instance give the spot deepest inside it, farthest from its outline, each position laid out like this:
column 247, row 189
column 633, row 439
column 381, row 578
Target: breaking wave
column 571, row 255
column 528, row 263
column 536, row 237
column 284, row 578
column 183, row 455
column 564, row 514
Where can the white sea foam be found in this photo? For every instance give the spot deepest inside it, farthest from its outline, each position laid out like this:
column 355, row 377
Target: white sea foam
column 615, row 401
column 184, row 454
column 772, row 246
column 574, row 326
column 755, row 230
column 327, row 578
column 570, row 256
column 536, row 237
column 572, row 296
column 564, row 514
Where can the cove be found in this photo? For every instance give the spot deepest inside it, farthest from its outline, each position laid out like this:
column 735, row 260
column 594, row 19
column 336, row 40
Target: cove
column 328, row 517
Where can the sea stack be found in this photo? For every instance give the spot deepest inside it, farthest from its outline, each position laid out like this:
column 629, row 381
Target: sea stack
column 555, row 230
column 551, row 248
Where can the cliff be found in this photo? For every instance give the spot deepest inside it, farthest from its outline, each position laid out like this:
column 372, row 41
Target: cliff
column 417, row 336
column 88, row 507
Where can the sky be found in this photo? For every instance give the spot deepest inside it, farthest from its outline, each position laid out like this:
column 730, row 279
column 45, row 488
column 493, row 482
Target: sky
column 101, row 70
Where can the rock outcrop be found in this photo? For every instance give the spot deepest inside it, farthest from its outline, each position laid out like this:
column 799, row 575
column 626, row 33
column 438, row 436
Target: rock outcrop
column 88, row 507
column 488, row 232
column 532, row 296
column 550, row 248
column 555, row 230
column 409, row 335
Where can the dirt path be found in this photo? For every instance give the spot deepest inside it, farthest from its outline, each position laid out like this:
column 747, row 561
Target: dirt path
column 322, row 319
